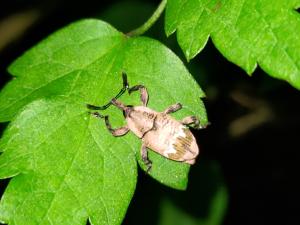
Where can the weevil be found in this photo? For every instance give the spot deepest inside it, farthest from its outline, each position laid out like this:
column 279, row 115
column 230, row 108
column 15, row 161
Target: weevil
column 158, row 131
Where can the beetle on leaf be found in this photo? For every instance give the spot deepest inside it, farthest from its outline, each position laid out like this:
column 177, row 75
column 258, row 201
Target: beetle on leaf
column 158, row 130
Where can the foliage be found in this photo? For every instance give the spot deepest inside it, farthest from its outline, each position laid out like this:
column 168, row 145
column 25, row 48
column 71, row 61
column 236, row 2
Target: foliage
column 247, row 33
column 62, row 159
column 66, row 168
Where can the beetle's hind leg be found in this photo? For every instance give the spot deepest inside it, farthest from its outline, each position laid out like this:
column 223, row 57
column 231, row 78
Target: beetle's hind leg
column 173, row 108
column 144, row 153
column 192, row 121
column 143, row 91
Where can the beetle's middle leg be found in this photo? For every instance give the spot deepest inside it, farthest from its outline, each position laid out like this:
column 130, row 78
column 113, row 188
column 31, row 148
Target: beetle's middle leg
column 144, row 153
column 173, row 108
column 143, row 92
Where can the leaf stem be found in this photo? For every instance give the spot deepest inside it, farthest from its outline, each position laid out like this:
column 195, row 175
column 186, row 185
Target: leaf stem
column 148, row 24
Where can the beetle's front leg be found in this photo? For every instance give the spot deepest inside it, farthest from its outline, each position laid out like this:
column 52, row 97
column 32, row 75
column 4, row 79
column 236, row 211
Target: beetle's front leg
column 96, row 114
column 173, row 108
column 115, row 132
column 144, row 153
column 143, row 93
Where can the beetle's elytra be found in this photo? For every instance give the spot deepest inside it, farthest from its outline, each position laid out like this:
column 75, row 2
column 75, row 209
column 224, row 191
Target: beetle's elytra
column 158, row 130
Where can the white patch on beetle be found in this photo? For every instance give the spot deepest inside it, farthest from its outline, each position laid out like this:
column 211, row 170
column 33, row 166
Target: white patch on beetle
column 171, row 149
column 181, row 133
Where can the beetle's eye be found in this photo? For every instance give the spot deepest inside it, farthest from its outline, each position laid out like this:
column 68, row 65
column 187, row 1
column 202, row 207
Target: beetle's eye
column 128, row 110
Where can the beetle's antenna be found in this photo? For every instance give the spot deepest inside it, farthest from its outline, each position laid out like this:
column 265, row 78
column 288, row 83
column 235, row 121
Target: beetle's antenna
column 125, row 85
column 122, row 91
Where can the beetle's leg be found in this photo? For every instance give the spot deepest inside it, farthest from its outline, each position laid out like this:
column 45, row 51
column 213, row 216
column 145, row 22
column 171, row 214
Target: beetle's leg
column 143, row 92
column 144, row 153
column 115, row 132
column 96, row 114
column 192, row 120
column 173, row 108
column 122, row 91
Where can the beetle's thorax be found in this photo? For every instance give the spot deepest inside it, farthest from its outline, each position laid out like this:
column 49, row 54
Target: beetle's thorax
column 140, row 120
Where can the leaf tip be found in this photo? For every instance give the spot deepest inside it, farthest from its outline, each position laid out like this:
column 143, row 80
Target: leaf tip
column 169, row 32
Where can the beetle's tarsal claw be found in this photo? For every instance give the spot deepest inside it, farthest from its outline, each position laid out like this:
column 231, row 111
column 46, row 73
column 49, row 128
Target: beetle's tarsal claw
column 197, row 123
column 148, row 163
column 130, row 90
column 97, row 115
column 149, row 166
column 203, row 126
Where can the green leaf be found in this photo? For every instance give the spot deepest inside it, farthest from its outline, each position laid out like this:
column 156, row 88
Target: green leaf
column 247, row 33
column 65, row 170
column 66, row 166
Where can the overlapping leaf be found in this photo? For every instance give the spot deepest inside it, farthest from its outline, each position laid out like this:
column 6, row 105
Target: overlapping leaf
column 66, row 167
column 204, row 203
column 247, row 32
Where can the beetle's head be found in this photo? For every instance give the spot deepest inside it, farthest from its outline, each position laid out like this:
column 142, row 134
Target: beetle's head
column 127, row 110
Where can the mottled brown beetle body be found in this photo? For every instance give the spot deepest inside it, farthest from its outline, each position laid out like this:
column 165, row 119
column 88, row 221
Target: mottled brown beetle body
column 163, row 134
column 158, row 130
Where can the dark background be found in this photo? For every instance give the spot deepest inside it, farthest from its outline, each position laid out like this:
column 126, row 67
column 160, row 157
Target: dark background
column 251, row 147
